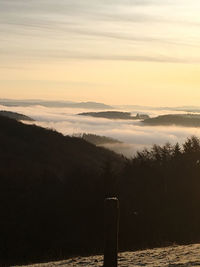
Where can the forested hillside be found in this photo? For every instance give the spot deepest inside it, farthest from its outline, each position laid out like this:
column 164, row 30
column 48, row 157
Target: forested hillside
column 15, row 115
column 52, row 191
column 187, row 120
column 98, row 139
column 115, row 115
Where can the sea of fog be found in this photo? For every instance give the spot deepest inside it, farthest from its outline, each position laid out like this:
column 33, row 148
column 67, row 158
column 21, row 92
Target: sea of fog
column 133, row 134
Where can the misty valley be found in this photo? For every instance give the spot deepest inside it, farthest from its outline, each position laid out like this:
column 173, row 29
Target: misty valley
column 133, row 127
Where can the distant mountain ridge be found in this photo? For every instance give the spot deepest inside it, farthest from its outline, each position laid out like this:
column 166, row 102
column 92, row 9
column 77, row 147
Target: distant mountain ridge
column 58, row 104
column 89, row 105
column 177, row 108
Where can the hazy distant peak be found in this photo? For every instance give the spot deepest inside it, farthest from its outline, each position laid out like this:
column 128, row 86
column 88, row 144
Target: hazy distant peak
column 58, row 103
column 91, row 105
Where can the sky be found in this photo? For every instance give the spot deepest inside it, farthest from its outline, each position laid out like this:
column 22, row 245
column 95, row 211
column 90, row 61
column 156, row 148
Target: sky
column 141, row 52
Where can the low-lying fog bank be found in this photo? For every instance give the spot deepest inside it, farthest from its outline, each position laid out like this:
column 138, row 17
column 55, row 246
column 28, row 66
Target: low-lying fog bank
column 134, row 135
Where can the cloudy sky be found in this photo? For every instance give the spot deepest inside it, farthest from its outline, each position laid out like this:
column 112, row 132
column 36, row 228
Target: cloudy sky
column 142, row 52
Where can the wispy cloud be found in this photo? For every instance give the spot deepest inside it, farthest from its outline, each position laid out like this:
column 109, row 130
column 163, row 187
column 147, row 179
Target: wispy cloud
column 51, row 83
column 68, row 24
column 59, row 55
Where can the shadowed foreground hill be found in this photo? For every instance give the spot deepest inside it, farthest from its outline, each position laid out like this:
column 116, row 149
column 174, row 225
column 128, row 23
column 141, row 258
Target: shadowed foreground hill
column 51, row 192
column 14, row 115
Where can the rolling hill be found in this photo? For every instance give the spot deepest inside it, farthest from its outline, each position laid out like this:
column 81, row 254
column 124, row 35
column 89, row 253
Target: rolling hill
column 14, row 115
column 187, row 120
column 98, row 139
column 115, row 115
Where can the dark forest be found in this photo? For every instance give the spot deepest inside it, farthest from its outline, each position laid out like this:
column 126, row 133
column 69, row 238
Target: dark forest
column 52, row 190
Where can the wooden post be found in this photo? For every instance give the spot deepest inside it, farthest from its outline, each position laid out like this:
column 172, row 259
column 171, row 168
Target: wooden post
column 111, row 232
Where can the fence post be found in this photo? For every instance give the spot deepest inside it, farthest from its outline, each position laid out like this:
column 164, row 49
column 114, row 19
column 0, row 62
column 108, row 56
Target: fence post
column 111, row 232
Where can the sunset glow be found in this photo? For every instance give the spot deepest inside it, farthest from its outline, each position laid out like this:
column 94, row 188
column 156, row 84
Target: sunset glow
column 125, row 51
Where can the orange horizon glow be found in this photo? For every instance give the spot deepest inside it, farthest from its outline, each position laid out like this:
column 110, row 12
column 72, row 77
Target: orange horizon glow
column 116, row 52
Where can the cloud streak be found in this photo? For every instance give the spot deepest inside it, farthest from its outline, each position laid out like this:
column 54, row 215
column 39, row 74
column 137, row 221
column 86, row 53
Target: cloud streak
column 36, row 55
column 135, row 25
